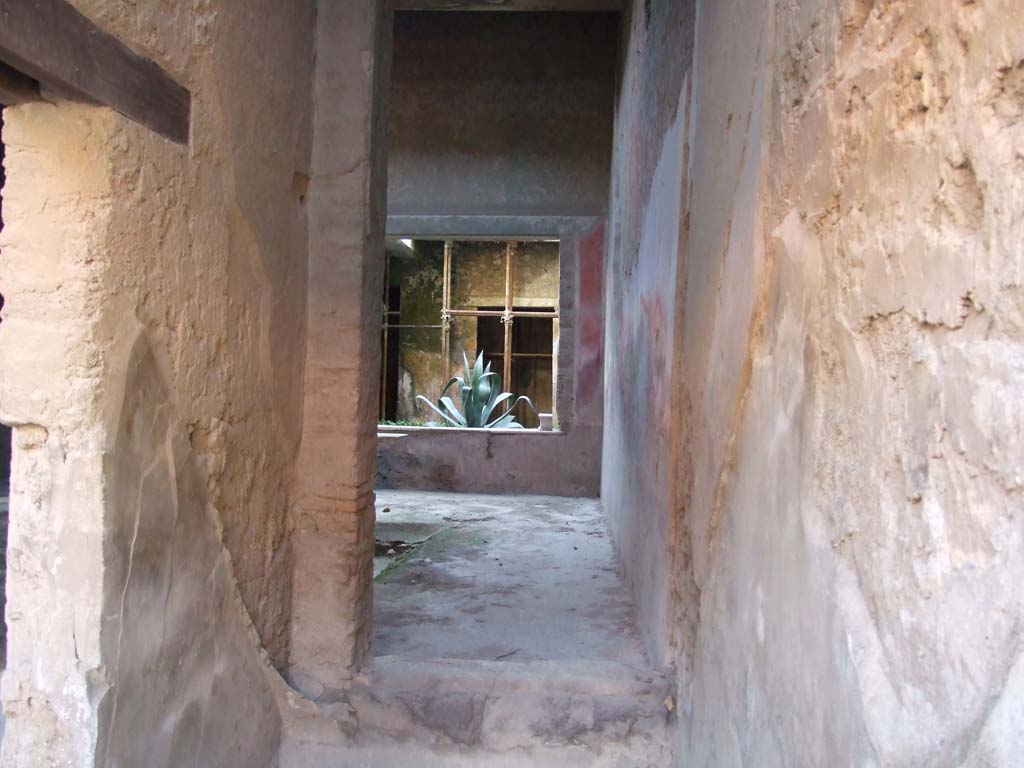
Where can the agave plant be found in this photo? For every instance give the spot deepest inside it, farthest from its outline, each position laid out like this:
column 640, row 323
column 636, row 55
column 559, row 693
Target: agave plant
column 482, row 403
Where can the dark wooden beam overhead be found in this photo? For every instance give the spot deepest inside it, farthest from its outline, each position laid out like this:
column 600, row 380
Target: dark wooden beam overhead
column 51, row 42
column 16, row 88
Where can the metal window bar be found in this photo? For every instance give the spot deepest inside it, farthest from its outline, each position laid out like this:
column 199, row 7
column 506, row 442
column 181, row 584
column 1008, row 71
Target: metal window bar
column 382, row 412
column 508, row 315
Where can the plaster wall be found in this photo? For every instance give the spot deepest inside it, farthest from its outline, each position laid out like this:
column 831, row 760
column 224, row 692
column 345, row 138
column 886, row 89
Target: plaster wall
column 500, row 123
column 501, row 114
column 151, row 367
column 642, row 274
column 846, row 519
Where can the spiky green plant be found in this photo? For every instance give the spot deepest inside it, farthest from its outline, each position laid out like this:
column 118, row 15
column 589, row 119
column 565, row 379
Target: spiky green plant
column 480, row 397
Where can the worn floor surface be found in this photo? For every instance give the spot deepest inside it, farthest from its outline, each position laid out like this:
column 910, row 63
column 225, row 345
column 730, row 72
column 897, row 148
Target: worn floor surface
column 506, row 640
column 500, row 578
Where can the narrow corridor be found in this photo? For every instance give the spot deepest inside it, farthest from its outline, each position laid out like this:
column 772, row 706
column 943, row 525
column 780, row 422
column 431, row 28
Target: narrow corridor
column 504, row 637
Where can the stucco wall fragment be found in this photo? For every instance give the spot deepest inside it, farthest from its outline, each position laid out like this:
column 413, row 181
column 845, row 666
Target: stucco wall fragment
column 152, row 362
column 892, row 223
column 50, row 283
column 643, row 281
column 844, row 545
column 846, row 519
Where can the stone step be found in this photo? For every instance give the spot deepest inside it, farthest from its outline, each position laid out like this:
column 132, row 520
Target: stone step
column 457, row 713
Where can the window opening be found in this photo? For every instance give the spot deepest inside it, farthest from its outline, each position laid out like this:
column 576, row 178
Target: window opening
column 443, row 299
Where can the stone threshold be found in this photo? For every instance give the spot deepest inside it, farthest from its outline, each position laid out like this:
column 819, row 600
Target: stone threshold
column 451, row 712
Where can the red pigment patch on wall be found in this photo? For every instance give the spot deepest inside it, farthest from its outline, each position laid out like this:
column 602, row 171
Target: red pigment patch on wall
column 590, row 316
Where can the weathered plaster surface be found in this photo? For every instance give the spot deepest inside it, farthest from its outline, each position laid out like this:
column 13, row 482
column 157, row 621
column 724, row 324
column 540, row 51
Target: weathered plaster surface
column 641, row 405
column 151, row 364
column 57, row 472
column 332, row 510
column 847, row 523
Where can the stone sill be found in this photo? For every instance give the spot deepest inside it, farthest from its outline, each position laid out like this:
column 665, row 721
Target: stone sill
column 399, row 431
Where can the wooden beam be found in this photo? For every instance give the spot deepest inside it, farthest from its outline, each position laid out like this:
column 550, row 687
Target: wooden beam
column 16, row 88
column 50, row 41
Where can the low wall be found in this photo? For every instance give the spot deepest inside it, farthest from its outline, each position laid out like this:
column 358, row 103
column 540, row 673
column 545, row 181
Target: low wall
column 491, row 461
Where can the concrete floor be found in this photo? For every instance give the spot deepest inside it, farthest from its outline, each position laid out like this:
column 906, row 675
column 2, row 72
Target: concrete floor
column 501, row 578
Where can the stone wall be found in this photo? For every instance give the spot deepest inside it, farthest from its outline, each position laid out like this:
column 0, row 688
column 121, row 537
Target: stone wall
column 151, row 358
column 846, row 515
